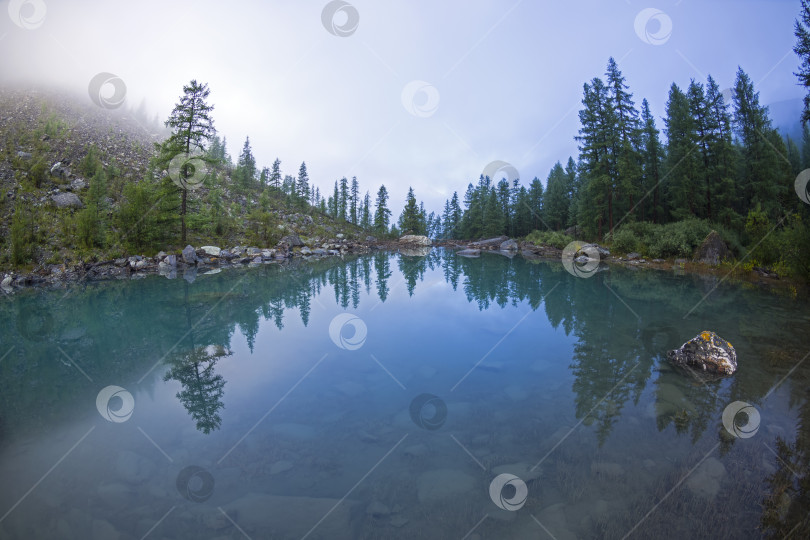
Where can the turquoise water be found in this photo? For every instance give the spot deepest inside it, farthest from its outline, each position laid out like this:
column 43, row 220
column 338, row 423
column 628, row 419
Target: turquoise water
column 385, row 396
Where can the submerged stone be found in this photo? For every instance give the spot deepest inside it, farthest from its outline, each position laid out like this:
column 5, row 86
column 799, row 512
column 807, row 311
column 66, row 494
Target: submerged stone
column 708, row 352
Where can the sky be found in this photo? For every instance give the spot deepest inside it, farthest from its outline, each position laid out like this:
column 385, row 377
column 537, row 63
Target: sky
column 406, row 93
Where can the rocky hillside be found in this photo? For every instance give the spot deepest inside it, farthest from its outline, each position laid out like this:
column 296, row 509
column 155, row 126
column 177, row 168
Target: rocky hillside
column 52, row 143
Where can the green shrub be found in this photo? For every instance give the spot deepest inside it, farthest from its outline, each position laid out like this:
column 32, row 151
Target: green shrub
column 761, row 238
column 21, row 235
column 679, row 239
column 38, row 172
column 793, row 242
column 91, row 161
column 624, row 241
column 549, row 238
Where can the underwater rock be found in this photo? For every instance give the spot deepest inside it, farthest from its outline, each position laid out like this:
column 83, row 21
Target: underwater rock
column 132, row 468
column 441, row 484
column 708, row 352
column 377, row 509
column 522, row 470
column 287, row 517
column 705, row 481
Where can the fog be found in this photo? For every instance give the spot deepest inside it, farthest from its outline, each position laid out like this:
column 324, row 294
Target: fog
column 405, row 93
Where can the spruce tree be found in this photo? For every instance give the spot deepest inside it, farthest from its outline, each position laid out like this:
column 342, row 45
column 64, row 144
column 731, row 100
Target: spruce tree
column 410, row 219
column 556, row 202
column 681, row 166
column 355, row 200
column 802, row 49
column 535, row 203
column 597, row 137
column 245, row 173
column 343, row 205
column 765, row 176
column 651, row 167
column 275, row 175
column 303, row 182
column 365, row 213
column 382, row 214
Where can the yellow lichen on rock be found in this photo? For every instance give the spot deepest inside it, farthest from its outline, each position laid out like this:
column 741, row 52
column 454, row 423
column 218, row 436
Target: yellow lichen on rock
column 706, row 336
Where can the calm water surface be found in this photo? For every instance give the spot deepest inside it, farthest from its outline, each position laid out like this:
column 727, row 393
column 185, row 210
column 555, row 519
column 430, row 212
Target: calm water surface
column 393, row 396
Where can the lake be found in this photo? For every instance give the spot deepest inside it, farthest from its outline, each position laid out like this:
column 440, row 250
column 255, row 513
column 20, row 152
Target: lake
column 401, row 396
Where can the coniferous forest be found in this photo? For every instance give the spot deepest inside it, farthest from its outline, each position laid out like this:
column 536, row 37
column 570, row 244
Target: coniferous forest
column 657, row 186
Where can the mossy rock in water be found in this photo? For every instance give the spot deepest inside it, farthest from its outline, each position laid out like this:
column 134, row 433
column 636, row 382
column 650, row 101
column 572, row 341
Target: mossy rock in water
column 707, row 352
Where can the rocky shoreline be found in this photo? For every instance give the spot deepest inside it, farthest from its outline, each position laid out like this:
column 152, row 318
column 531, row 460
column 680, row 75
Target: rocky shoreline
column 192, row 261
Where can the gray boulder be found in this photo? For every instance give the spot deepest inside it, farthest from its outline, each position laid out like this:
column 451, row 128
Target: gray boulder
column 633, row 256
column 189, row 255
column 712, row 250
column 509, row 245
column 604, row 253
column 415, row 240
column 67, row 200
column 60, row 171
column 490, row 242
column 213, row 251
column 77, row 184
column 707, row 352
column 292, row 240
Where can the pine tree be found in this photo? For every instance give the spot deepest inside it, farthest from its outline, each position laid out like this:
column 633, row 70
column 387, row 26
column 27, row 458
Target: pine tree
column 681, row 166
column 192, row 129
column 794, row 156
column 245, row 173
column 303, row 182
column 382, row 214
column 652, row 158
column 535, row 202
column 802, row 49
column 704, row 179
column 343, row 205
column 335, row 206
column 365, row 213
column 556, row 202
column 504, row 193
column 597, row 152
column 765, row 176
column 455, row 215
column 723, row 158
column 493, row 215
column 410, row 219
column 625, row 139
column 355, row 200
column 91, row 230
column 275, row 175
column 523, row 214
